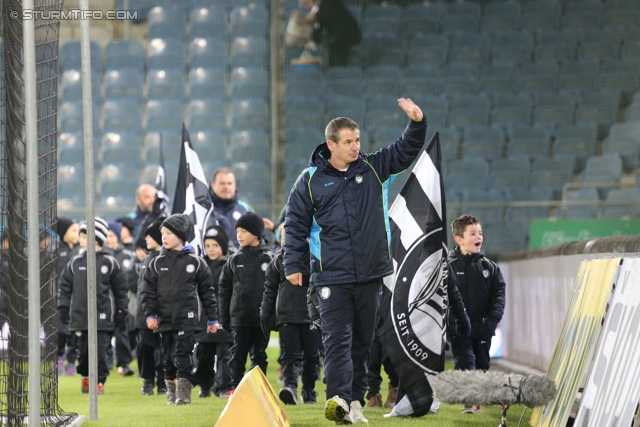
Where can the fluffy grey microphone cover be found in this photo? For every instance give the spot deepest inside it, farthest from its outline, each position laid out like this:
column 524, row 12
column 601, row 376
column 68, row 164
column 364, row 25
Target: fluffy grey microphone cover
column 493, row 388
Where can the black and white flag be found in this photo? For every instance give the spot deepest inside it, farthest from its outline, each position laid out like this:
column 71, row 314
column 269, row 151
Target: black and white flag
column 161, row 184
column 192, row 192
column 414, row 298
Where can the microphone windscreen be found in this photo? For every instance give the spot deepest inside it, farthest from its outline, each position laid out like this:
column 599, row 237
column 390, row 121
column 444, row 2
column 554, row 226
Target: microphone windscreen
column 492, row 388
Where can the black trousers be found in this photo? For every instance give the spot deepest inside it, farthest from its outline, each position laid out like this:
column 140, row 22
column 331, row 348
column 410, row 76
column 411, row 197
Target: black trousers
column 299, row 349
column 70, row 342
column 213, row 366
column 177, row 349
column 348, row 315
column 470, row 353
column 377, row 359
column 123, row 347
column 82, row 342
column 245, row 341
column 150, row 356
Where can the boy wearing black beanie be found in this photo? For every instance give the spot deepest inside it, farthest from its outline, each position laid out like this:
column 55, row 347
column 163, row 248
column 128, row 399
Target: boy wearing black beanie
column 213, row 351
column 111, row 288
column 177, row 286
column 243, row 276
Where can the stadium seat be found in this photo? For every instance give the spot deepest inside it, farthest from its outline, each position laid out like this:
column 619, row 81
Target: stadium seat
column 208, row 54
column 456, row 84
column 250, row 28
column 421, row 18
column 383, row 50
column 123, row 85
column 171, row 146
column 209, row 23
column 72, row 86
column 551, row 180
column 124, row 54
column 252, row 177
column 629, row 199
column 486, row 213
column 521, row 164
column 514, row 46
column 167, row 23
column 507, row 179
column 501, row 15
column 165, row 85
column 626, row 147
column 249, row 82
column 599, row 107
column 554, row 107
column 602, row 169
column 556, row 45
column 528, row 141
column 513, row 115
column 428, row 49
column 166, row 54
column 623, row 81
column 451, row 23
column 70, row 58
column 249, row 52
column 539, row 20
column 578, row 140
column 207, row 84
column 250, row 146
column 581, row 211
column 470, row 47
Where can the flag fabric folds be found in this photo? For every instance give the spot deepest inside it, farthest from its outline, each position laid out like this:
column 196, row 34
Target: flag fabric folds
column 414, row 299
column 192, row 192
column 161, row 184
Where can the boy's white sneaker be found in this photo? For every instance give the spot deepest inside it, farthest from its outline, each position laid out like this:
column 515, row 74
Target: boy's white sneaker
column 335, row 409
column 356, row 414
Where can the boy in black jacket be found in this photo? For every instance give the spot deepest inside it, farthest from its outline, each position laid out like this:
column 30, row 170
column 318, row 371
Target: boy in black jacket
column 482, row 289
column 241, row 286
column 214, row 350
column 298, row 341
column 111, row 299
column 176, row 284
column 69, row 233
column 148, row 348
column 126, row 258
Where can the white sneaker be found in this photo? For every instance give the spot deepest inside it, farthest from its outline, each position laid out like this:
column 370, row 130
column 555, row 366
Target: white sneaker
column 335, row 409
column 356, row 413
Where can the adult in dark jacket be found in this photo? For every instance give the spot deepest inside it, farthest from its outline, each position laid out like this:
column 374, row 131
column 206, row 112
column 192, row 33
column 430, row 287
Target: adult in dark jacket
column 286, row 304
column 68, row 236
column 340, row 204
column 148, row 349
column 145, row 197
column 214, row 350
column 111, row 301
column 482, row 289
column 335, row 27
column 227, row 206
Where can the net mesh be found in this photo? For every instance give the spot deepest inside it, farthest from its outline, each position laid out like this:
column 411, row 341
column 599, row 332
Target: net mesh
column 14, row 372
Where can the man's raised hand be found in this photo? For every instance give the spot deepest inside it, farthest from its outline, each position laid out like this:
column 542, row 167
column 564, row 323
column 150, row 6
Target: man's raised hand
column 412, row 110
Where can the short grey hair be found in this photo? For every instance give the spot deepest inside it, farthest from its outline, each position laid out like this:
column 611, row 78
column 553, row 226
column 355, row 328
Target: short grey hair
column 332, row 131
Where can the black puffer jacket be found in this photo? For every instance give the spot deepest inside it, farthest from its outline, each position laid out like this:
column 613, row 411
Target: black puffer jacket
column 481, row 287
column 111, row 290
column 141, row 319
column 221, row 336
column 242, row 285
column 177, row 286
column 287, row 302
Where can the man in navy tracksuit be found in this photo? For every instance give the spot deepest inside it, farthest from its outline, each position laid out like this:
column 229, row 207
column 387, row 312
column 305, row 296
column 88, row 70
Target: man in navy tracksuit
column 340, row 204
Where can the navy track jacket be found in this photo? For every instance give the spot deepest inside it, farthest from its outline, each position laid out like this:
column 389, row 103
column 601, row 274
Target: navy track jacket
column 345, row 214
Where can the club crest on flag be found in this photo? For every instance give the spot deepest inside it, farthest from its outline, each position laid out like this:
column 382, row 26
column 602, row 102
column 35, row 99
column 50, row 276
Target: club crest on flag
column 414, row 299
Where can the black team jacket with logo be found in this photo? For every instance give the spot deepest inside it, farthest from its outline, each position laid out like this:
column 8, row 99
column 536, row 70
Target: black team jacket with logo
column 241, row 286
column 177, row 287
column 111, row 290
